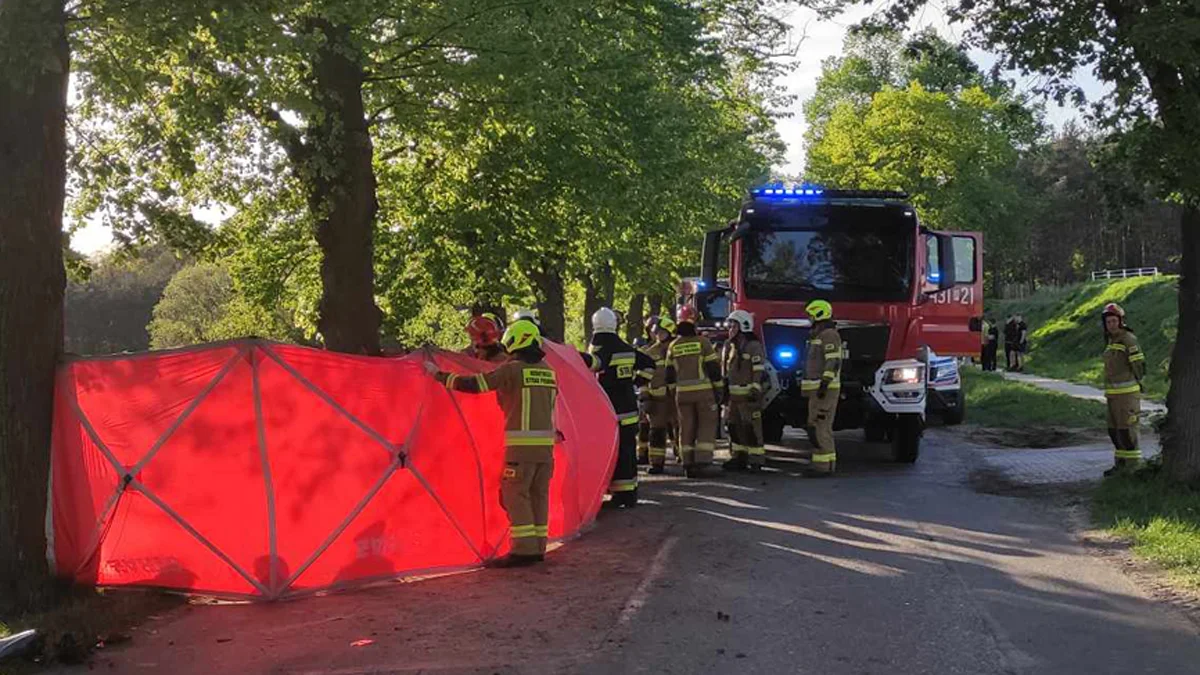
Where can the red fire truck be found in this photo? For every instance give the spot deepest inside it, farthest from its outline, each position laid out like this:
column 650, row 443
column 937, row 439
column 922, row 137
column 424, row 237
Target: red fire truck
column 904, row 298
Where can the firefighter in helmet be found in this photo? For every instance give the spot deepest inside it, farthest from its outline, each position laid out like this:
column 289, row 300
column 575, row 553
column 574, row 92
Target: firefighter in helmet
column 745, row 371
column 822, row 385
column 620, row 369
column 658, row 397
column 526, row 389
column 485, row 331
column 1124, row 368
column 693, row 369
column 644, row 344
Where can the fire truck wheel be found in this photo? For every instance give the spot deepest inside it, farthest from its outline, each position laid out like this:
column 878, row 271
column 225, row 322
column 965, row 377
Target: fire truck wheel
column 906, row 439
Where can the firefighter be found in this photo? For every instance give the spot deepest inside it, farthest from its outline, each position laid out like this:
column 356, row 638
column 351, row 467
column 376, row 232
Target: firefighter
column 1124, row 368
column 619, row 368
column 526, row 389
column 658, row 397
column 745, row 371
column 645, row 345
column 822, row 385
column 485, row 331
column 692, row 367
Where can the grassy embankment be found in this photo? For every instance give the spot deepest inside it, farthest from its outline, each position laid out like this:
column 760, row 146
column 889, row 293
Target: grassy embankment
column 1065, row 336
column 993, row 401
column 1161, row 521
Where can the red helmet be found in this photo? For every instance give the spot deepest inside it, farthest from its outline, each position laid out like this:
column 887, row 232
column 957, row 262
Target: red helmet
column 686, row 314
column 484, row 330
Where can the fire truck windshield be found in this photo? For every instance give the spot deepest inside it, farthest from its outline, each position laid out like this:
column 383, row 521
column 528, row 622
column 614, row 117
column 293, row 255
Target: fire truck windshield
column 839, row 253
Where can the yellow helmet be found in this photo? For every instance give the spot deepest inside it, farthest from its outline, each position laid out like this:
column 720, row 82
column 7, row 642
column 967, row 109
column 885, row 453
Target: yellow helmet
column 667, row 324
column 819, row 310
column 521, row 334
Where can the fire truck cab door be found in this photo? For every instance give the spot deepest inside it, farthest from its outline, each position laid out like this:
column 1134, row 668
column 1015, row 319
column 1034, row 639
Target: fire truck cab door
column 950, row 315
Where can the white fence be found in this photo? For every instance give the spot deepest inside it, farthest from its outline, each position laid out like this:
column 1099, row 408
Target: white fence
column 1126, row 273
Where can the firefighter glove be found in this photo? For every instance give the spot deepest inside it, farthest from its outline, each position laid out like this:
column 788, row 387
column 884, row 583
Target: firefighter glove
column 823, row 389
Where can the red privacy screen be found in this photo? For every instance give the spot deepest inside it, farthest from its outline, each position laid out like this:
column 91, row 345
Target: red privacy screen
column 266, row 470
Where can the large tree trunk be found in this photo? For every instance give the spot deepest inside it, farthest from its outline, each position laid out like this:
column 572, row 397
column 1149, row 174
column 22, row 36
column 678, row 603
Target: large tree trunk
column 634, row 317
column 591, row 303
column 33, row 109
column 342, row 197
column 551, row 300
column 656, row 305
column 1181, row 440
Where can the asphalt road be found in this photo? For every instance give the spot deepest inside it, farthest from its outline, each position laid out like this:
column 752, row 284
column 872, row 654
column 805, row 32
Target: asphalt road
column 885, row 569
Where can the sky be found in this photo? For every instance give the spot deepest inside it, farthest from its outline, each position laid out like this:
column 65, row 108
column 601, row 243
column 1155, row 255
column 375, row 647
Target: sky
column 818, row 40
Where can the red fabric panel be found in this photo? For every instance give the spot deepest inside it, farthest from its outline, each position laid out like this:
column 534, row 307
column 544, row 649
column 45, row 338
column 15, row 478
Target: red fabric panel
column 372, row 468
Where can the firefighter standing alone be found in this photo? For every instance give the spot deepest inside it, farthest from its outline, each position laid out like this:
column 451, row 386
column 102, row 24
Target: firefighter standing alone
column 822, row 385
column 619, row 367
column 526, row 389
column 744, row 368
column 692, row 368
column 1124, row 368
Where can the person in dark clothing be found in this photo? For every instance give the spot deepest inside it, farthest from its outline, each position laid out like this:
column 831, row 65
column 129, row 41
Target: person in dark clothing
column 1011, row 338
column 991, row 344
column 619, row 367
column 1022, row 342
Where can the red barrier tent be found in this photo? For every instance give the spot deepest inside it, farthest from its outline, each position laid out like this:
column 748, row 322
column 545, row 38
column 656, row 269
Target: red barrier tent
column 256, row 469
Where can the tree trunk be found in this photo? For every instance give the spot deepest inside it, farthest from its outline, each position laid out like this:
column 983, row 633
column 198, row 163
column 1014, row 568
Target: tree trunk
column 1181, row 439
column 656, row 305
column 551, row 300
column 634, row 317
column 342, row 197
column 591, row 303
column 608, row 285
column 33, row 109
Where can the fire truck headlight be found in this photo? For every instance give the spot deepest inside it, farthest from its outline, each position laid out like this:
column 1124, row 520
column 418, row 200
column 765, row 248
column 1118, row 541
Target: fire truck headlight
column 904, row 375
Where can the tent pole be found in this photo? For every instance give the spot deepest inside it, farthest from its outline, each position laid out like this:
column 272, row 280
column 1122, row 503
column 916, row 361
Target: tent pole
column 272, row 542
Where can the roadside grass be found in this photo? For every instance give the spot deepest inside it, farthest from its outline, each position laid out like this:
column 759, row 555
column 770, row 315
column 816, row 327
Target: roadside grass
column 80, row 621
column 993, row 401
column 1065, row 336
column 1161, row 520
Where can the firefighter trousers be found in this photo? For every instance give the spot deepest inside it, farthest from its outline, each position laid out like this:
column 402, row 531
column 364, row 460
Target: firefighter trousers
column 1123, row 412
column 745, row 430
column 698, row 421
column 821, row 411
column 525, row 496
column 625, row 474
column 661, row 412
column 643, row 439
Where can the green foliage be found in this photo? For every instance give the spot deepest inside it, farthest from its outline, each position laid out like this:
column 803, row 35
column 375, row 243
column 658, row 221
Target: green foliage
column 1066, row 341
column 201, row 304
column 993, row 401
column 107, row 311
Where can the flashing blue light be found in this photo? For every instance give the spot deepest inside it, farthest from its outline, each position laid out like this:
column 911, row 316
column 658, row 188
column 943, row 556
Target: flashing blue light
column 786, row 356
column 701, row 284
column 779, row 190
column 935, row 276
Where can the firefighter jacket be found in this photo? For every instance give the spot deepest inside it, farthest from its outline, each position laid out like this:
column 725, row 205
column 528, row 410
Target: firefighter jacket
column 823, row 360
column 744, row 368
column 526, row 389
column 657, row 386
column 692, row 365
column 619, row 368
column 1124, row 364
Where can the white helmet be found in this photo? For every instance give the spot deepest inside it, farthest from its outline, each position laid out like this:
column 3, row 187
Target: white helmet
column 743, row 319
column 604, row 321
column 524, row 314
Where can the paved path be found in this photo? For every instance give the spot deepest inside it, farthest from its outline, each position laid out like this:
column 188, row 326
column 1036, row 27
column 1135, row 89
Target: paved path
column 887, row 569
column 1072, row 389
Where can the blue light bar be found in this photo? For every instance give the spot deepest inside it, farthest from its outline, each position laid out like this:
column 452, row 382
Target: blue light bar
column 779, row 190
